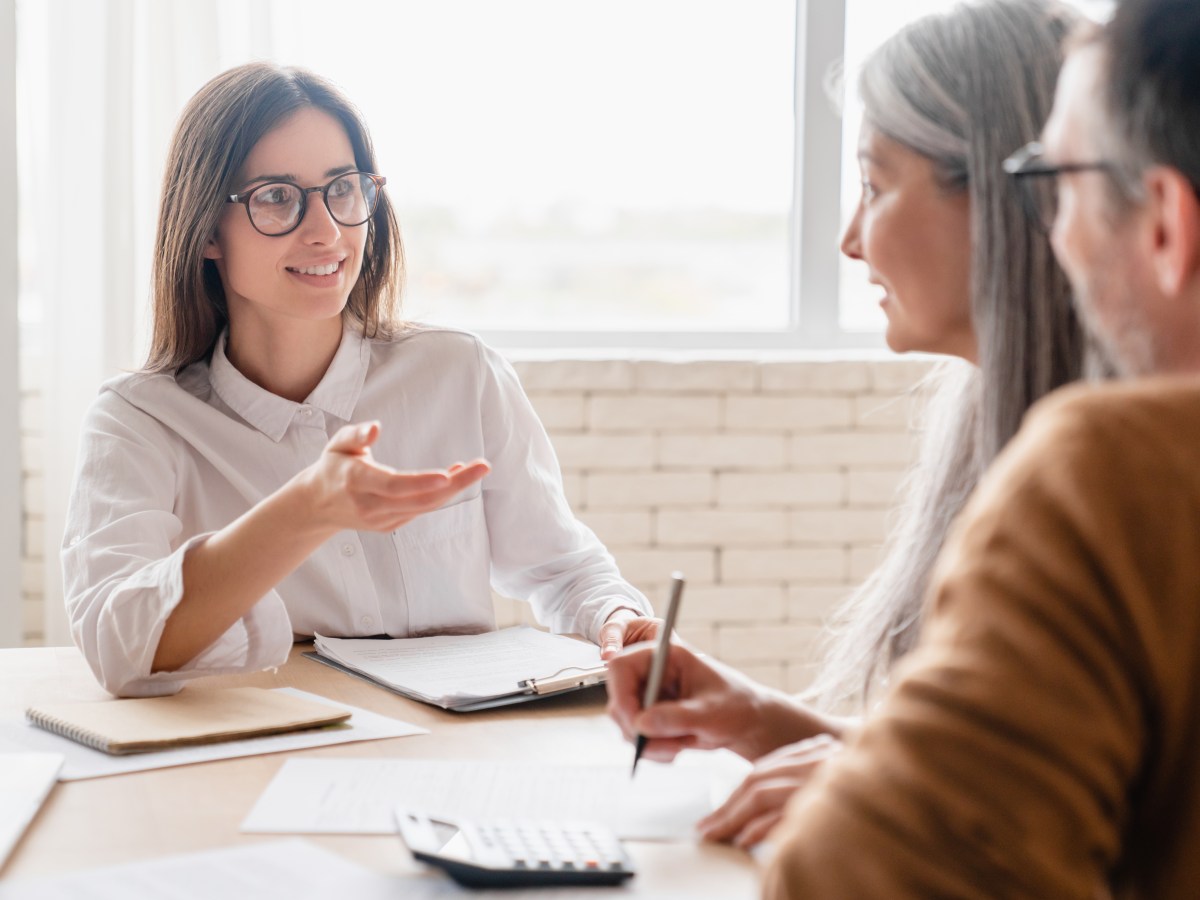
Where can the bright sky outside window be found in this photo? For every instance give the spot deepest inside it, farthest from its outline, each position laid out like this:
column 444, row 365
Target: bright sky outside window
column 615, row 164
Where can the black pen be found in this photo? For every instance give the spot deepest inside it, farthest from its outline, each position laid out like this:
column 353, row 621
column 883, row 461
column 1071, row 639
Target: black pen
column 658, row 665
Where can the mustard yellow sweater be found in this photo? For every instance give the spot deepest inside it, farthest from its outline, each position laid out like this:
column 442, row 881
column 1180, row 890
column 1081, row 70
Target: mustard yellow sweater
column 1043, row 740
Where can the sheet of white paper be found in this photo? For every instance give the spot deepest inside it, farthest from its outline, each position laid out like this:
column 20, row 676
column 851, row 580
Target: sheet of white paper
column 84, row 762
column 359, row 796
column 275, row 870
column 462, row 666
column 25, row 780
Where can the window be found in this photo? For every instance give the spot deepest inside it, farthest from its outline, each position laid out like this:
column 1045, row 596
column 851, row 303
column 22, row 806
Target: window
column 620, row 170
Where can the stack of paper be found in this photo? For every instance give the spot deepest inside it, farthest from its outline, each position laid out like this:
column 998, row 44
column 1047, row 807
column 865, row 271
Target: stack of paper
column 466, row 672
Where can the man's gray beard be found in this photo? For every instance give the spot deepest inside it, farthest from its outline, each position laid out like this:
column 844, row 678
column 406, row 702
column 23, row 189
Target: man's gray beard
column 1129, row 343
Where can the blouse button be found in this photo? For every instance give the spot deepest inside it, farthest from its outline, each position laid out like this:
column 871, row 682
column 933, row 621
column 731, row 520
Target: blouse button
column 306, row 411
column 347, row 549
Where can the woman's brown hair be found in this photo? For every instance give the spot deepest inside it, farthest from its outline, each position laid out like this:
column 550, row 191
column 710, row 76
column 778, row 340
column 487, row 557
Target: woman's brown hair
column 216, row 132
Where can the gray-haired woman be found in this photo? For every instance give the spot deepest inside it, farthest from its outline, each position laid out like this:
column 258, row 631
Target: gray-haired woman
column 964, row 272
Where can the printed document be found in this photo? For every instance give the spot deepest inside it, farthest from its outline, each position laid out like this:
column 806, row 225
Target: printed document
column 359, row 796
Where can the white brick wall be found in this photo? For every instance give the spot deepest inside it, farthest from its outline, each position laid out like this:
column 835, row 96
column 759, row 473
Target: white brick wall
column 769, row 484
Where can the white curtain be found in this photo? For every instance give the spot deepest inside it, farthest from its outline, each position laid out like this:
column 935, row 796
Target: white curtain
column 113, row 77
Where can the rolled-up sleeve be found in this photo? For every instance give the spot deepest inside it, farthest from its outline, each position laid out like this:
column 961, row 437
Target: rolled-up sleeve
column 122, row 561
column 540, row 551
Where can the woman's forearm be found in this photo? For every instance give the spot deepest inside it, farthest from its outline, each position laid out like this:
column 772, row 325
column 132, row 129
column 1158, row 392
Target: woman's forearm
column 225, row 575
column 781, row 720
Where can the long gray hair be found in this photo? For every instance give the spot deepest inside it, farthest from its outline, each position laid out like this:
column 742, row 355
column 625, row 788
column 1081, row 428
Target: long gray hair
column 964, row 89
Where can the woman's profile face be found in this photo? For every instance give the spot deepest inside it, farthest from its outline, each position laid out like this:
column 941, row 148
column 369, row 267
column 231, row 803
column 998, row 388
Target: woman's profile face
column 308, row 273
column 914, row 236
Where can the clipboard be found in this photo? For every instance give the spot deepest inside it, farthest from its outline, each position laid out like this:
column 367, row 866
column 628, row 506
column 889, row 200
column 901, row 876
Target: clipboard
column 524, row 693
column 494, row 667
column 570, row 678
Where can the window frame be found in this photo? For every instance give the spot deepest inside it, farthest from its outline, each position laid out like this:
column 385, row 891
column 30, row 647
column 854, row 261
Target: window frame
column 11, row 602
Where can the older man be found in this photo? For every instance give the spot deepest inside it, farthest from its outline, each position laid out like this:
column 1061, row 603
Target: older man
column 1044, row 739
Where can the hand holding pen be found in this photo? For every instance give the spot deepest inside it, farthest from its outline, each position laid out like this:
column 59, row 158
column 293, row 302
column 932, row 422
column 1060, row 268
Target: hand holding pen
column 659, row 664
column 708, row 704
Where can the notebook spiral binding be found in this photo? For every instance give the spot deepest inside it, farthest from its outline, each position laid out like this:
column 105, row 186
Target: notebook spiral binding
column 75, row 733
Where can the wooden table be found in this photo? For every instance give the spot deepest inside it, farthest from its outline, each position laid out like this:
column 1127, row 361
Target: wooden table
column 142, row 815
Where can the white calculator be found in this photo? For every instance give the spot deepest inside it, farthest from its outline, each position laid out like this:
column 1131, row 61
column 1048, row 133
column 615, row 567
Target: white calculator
column 515, row 852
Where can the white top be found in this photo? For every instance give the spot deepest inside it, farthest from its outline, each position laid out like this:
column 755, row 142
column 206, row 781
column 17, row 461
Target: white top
column 166, row 460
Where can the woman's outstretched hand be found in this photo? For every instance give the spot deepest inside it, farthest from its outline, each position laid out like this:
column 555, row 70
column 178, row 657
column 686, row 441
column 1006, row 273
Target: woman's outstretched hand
column 347, row 489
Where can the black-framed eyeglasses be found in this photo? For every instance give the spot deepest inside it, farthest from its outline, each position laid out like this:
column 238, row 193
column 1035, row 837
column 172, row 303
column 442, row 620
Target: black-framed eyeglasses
column 277, row 207
column 1038, row 180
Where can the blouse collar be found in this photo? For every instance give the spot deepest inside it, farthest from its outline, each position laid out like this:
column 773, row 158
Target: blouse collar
column 337, row 393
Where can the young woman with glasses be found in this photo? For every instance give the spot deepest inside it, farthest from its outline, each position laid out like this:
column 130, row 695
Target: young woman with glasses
column 293, row 459
column 964, row 270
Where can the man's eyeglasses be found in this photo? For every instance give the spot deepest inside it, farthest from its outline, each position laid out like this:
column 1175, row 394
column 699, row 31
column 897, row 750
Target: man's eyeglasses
column 278, row 207
column 1038, row 181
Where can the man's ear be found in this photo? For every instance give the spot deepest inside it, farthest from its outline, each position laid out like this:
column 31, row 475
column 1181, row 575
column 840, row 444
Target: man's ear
column 212, row 250
column 1176, row 221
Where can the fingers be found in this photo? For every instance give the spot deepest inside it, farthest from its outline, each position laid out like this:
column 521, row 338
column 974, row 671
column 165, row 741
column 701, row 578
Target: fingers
column 627, row 674
column 623, row 627
column 388, row 499
column 757, row 830
column 675, row 719
column 664, row 750
column 747, row 815
column 354, row 439
column 465, row 474
column 370, row 477
column 612, row 637
column 754, row 806
column 641, row 629
column 353, row 490
column 414, row 504
column 680, row 717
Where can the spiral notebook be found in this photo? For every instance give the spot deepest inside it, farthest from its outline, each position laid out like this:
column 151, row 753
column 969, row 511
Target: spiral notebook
column 185, row 719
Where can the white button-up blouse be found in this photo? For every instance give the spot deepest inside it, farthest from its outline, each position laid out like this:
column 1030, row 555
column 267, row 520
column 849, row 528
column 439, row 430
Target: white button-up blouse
column 166, row 460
